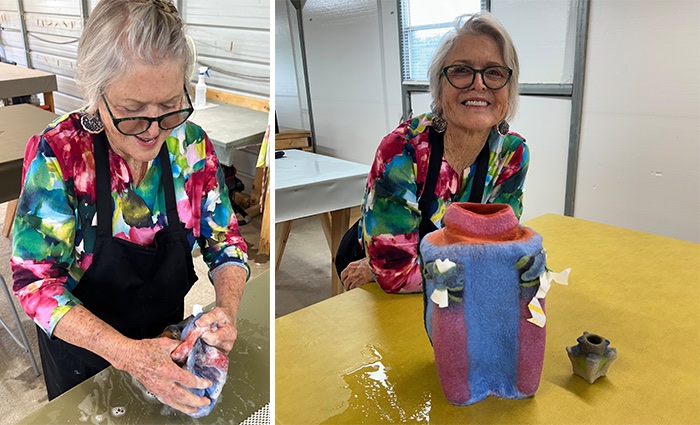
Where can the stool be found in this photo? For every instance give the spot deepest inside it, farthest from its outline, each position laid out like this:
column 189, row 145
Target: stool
column 24, row 344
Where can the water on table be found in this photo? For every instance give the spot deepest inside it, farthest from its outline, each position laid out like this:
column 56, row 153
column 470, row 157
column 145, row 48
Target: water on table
column 114, row 397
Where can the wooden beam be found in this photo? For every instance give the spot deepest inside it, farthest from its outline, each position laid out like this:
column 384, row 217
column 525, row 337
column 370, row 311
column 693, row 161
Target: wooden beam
column 237, row 99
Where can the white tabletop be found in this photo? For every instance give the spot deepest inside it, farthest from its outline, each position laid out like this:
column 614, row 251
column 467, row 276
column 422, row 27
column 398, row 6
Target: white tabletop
column 231, row 127
column 307, row 184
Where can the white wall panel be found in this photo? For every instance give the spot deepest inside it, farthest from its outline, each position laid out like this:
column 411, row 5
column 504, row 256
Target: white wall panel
column 16, row 55
column 248, row 78
column 640, row 158
column 53, row 44
column 543, row 32
column 354, row 76
column 54, row 64
column 233, row 38
column 232, row 43
column 8, row 5
column 9, row 20
column 68, row 86
column 12, row 39
column 55, row 7
column 70, row 26
column 238, row 13
column 66, row 103
column 291, row 103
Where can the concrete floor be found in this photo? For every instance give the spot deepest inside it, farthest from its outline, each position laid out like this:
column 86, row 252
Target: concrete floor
column 20, row 390
column 304, row 275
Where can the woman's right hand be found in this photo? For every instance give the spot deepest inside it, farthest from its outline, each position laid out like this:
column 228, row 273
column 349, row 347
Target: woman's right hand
column 356, row 274
column 149, row 361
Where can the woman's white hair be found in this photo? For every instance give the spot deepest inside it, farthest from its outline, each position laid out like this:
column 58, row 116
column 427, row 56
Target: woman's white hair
column 482, row 23
column 120, row 33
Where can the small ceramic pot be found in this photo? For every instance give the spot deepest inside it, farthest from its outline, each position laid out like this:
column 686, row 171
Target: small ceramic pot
column 591, row 358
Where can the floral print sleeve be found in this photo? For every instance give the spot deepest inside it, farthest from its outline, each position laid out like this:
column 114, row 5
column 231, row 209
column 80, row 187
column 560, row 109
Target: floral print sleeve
column 390, row 214
column 54, row 230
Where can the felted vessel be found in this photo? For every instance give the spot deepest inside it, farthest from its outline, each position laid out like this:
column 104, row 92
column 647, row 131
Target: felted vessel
column 196, row 356
column 591, row 357
column 484, row 282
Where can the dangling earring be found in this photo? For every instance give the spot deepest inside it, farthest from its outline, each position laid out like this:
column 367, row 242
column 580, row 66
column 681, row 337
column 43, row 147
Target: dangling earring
column 503, row 128
column 92, row 123
column 439, row 123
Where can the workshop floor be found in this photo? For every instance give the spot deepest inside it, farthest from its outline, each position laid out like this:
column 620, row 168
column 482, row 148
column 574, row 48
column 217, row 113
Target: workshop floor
column 22, row 391
column 304, row 275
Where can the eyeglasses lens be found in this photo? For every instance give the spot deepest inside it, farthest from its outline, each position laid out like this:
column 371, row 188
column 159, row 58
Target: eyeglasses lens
column 134, row 127
column 495, row 77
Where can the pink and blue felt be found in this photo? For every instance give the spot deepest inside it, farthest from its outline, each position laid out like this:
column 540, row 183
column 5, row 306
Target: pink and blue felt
column 482, row 341
column 206, row 362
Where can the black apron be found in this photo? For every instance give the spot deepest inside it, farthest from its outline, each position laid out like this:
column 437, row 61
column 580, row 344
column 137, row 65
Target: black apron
column 137, row 290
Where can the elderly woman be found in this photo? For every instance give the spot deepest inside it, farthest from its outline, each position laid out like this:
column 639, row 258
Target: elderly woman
column 474, row 86
column 116, row 197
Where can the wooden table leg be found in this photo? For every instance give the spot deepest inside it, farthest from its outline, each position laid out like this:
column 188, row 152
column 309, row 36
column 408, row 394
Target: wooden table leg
column 281, row 236
column 264, row 247
column 340, row 222
column 9, row 217
column 48, row 101
column 327, row 229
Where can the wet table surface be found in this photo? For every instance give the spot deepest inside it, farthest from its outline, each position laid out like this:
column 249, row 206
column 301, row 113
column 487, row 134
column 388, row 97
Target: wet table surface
column 113, row 397
column 364, row 356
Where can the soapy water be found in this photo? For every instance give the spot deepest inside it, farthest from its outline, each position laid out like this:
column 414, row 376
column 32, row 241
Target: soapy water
column 115, row 397
column 374, row 395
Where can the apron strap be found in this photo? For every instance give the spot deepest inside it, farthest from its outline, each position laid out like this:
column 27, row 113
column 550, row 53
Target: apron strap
column 168, row 186
column 479, row 182
column 434, row 162
column 103, row 189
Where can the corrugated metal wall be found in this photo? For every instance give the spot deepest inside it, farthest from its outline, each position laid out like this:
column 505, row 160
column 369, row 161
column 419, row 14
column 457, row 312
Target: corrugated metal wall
column 232, row 38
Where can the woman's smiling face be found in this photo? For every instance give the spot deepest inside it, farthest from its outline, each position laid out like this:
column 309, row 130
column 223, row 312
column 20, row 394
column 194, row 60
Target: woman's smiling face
column 476, row 108
column 146, row 91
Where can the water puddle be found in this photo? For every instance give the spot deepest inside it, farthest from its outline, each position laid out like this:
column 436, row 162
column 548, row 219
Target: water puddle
column 380, row 395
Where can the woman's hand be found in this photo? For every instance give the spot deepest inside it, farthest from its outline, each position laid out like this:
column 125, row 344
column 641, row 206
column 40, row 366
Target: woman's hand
column 148, row 360
column 225, row 331
column 356, row 274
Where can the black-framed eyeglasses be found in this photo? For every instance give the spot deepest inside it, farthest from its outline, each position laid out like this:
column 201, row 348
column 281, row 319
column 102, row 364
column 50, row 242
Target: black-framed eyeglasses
column 462, row 76
column 134, row 126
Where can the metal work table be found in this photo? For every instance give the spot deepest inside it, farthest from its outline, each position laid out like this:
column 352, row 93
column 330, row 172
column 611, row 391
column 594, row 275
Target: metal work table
column 246, row 393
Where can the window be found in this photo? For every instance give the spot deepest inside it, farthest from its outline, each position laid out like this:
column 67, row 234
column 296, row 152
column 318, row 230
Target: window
column 423, row 23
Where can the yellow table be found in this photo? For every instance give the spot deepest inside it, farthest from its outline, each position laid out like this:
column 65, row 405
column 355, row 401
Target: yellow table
column 364, row 357
column 246, row 393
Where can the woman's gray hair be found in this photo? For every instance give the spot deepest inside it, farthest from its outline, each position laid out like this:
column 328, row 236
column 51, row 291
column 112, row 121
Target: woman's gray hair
column 482, row 23
column 120, row 33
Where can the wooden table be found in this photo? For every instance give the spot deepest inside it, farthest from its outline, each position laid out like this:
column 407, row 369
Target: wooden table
column 246, row 392
column 364, row 357
column 292, row 138
column 309, row 184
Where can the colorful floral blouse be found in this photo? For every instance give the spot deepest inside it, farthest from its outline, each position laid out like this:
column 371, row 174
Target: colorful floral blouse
column 55, row 227
column 390, row 214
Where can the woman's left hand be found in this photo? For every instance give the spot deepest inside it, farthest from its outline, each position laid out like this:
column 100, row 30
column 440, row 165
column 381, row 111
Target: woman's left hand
column 225, row 334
